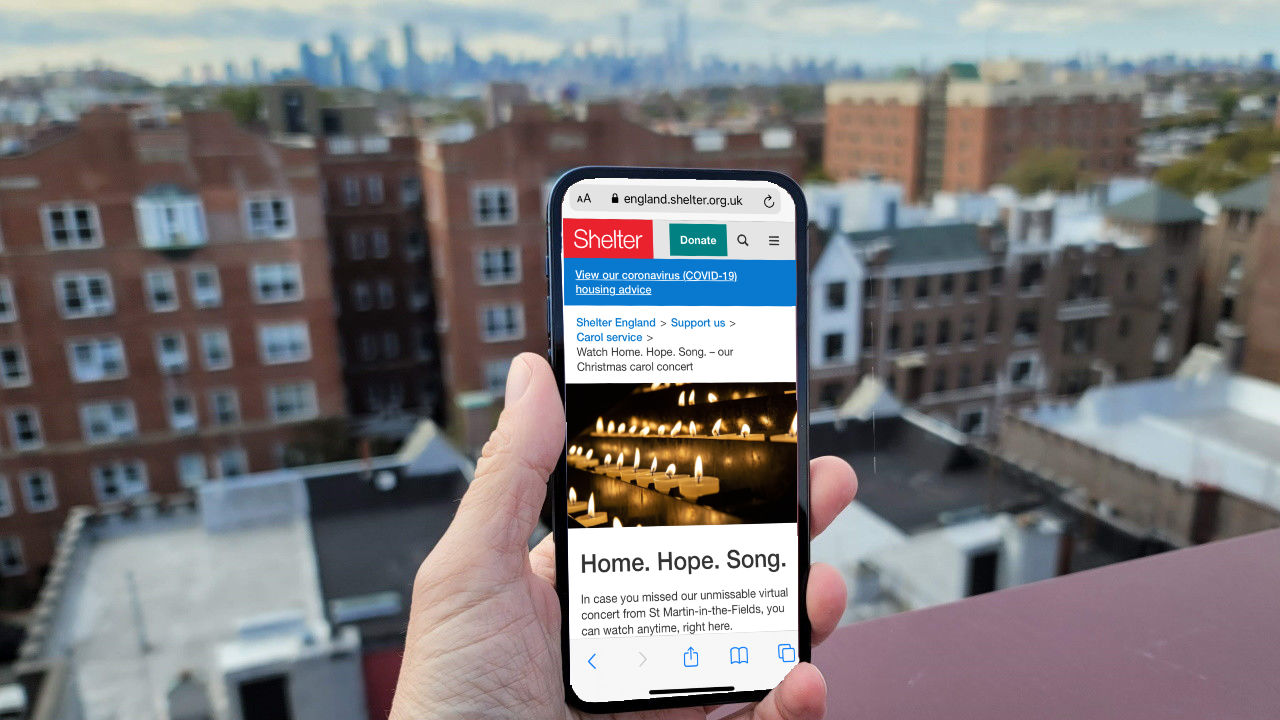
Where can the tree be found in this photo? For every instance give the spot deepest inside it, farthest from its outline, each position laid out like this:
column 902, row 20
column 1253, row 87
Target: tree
column 1228, row 162
column 244, row 103
column 1038, row 170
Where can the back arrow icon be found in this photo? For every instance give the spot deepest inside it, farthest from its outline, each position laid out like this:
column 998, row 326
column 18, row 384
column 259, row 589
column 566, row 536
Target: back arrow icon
column 593, row 657
column 643, row 659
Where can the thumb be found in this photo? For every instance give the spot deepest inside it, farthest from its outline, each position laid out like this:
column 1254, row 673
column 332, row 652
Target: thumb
column 501, row 507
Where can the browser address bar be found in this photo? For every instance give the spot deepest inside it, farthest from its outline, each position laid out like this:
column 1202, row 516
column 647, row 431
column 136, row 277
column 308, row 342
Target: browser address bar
column 638, row 198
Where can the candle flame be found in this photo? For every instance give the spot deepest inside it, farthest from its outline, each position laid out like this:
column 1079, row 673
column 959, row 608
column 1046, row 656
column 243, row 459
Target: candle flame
column 675, row 429
column 617, row 522
column 619, row 459
column 573, row 495
column 608, row 458
column 644, row 431
column 599, row 424
column 691, row 392
column 711, row 397
column 662, row 429
column 794, row 418
column 622, row 427
column 632, row 429
column 655, row 386
column 715, row 429
column 693, row 428
column 697, row 469
column 680, row 401
column 591, row 505
column 610, row 426
column 746, row 430
column 590, row 451
column 653, row 467
column 572, row 449
column 671, row 470
column 636, row 465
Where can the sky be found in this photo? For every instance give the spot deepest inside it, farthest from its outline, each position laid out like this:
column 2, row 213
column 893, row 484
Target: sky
column 156, row 38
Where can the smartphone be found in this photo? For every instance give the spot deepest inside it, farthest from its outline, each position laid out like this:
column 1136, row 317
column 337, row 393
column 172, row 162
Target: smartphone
column 676, row 315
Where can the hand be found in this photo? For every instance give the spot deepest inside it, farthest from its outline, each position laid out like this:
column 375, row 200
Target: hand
column 484, row 628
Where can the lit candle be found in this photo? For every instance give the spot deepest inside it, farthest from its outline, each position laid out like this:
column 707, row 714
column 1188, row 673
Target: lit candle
column 610, row 427
column 644, row 478
column 617, row 470
column 790, row 435
column 629, row 473
column 575, row 507
column 675, row 430
column 715, row 429
column 680, row 401
column 593, row 518
column 631, row 430
column 644, row 430
column 587, row 462
column 691, row 392
column 622, row 428
column 668, row 480
column 599, row 425
column 617, row 522
column 699, row 485
column 746, row 434
column 711, row 397
column 662, row 429
column 693, row 429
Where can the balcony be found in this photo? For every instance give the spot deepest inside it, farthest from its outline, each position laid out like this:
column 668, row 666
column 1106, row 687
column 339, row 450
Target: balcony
column 1084, row 309
column 1184, row 634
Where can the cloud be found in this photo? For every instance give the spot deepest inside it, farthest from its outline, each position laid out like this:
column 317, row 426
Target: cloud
column 1061, row 16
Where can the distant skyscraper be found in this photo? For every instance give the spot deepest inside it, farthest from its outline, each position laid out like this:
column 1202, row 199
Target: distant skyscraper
column 379, row 60
column 256, row 69
column 413, row 75
column 310, row 63
column 624, row 34
column 1267, row 61
column 229, row 74
column 340, row 57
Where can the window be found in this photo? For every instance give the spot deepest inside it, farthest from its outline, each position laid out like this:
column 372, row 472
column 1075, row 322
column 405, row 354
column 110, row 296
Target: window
column 206, row 287
column 922, row 288
column 993, row 320
column 967, row 325
column 182, row 412
column 895, row 337
column 82, row 295
column 1130, row 280
column 973, row 421
column 386, row 294
column 8, row 306
column 939, row 379
column 191, row 470
column 1122, row 327
column 410, row 190
column 390, row 345
column 38, row 492
column 6, row 498
column 499, row 266
column 373, row 189
column 277, row 282
column 69, row 226
column 361, row 298
column 224, row 406
column 357, row 246
column 351, row 191
column 495, row 375
column 868, row 335
column 971, row 283
column 284, row 343
column 895, row 289
column 96, row 359
column 1021, row 372
column 415, row 244
column 108, row 420
column 832, row 346
column 1027, row 325
column 1031, row 277
column 368, row 347
column 292, row 401
column 493, row 205
column 11, row 559
column 917, row 334
column 829, row 396
column 947, row 286
column 871, row 290
column 270, row 217
column 997, row 279
column 162, row 290
column 1169, row 284
column 170, row 221
column 419, row 294
column 231, row 462
column 171, row 353
column 14, row 370
column 381, row 243
column 964, row 377
column 988, row 372
column 24, row 428
column 835, row 295
column 215, row 349
column 944, row 331
column 423, row 348
column 119, row 480
column 500, row 323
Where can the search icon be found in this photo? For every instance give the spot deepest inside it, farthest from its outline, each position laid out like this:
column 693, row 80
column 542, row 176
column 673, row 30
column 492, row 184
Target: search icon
column 742, row 239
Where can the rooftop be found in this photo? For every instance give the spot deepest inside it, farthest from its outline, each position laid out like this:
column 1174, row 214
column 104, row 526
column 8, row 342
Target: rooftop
column 1252, row 196
column 925, row 244
column 1155, row 206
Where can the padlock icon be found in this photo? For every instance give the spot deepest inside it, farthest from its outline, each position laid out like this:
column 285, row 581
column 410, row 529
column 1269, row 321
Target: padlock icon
column 615, row 198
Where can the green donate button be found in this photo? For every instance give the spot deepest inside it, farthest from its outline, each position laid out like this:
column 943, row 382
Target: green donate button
column 699, row 239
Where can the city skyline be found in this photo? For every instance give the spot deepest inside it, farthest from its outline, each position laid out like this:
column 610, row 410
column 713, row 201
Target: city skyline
column 157, row 40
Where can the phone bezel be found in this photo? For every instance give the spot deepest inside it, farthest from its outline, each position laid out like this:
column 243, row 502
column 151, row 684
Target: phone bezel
column 555, row 338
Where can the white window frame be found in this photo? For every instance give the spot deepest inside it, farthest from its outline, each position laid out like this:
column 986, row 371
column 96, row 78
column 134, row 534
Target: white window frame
column 21, row 364
column 242, row 458
column 99, row 307
column 170, row 222
column 139, row 486
column 12, row 544
column 495, row 375
column 225, row 340
column 374, row 190
column 182, row 422
column 181, row 465
column 118, row 427
column 24, row 482
column 95, row 225
column 274, row 275
column 98, row 349
column 486, row 333
column 351, row 191
column 284, row 350
column 489, row 270
column 209, row 297
column 308, row 411
column 177, row 361
column 379, row 243
column 8, row 302
column 7, row 504
column 11, row 417
column 489, row 192
column 215, row 400
column 155, row 280
column 275, row 223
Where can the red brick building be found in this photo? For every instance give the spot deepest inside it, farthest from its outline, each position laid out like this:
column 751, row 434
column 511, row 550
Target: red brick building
column 486, row 207
column 165, row 317
column 957, row 134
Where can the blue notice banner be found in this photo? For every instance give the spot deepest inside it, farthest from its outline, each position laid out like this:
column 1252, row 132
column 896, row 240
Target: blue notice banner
column 606, row 281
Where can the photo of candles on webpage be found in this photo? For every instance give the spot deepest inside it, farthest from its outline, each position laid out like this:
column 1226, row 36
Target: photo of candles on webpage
column 680, row 370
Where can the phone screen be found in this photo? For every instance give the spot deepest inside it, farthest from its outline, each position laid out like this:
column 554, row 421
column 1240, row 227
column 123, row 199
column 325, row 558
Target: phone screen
column 686, row 539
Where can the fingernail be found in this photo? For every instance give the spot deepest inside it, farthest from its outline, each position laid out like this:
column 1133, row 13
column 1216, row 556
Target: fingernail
column 517, row 379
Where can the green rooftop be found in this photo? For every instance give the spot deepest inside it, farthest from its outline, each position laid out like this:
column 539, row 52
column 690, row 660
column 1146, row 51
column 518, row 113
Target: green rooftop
column 926, row 244
column 1155, row 206
column 1251, row 196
